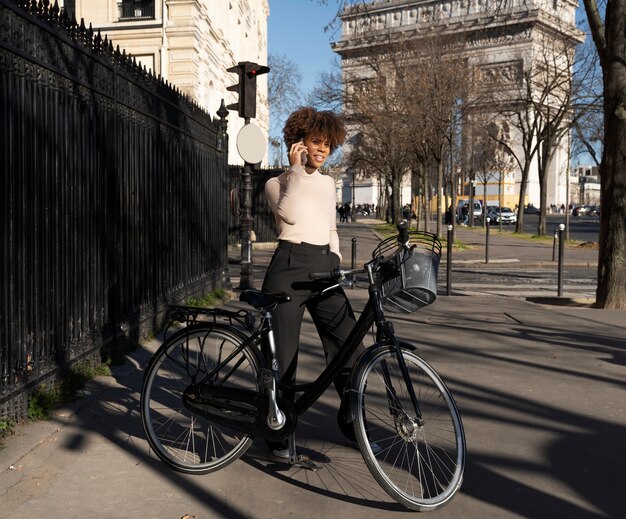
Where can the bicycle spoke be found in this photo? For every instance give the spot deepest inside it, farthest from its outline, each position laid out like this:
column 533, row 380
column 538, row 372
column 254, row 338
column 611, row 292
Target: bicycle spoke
column 421, row 459
column 185, row 441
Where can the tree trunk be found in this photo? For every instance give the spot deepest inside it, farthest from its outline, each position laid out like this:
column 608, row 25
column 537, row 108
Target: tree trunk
column 426, row 203
column 610, row 41
column 439, row 195
column 611, row 291
column 396, row 197
column 519, row 226
column 544, row 167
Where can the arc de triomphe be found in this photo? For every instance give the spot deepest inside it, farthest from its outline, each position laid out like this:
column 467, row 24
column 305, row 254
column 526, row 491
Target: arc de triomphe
column 501, row 37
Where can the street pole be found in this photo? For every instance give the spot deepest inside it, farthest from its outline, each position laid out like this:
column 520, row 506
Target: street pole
column 487, row 220
column 353, row 209
column 354, row 240
column 560, row 268
column 246, row 280
column 449, row 261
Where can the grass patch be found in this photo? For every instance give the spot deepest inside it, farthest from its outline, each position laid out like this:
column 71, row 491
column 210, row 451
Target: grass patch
column 214, row 298
column 388, row 230
column 7, row 427
column 45, row 398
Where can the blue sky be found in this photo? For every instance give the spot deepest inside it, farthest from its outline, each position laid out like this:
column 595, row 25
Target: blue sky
column 296, row 30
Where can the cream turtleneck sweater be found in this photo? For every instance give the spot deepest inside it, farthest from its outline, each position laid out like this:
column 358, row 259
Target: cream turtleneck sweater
column 304, row 207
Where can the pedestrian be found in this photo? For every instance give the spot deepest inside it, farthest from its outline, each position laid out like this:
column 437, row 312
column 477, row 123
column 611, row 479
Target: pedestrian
column 342, row 214
column 465, row 214
column 303, row 203
column 347, row 213
column 448, row 216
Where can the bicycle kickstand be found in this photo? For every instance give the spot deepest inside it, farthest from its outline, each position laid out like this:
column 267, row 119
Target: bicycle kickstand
column 299, row 460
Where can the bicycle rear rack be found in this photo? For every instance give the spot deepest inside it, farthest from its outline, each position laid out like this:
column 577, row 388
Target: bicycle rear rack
column 192, row 314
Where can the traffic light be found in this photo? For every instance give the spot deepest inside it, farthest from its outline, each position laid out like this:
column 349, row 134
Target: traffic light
column 246, row 88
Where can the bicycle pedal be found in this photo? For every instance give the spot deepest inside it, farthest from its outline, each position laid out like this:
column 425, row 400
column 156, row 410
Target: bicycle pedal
column 301, row 460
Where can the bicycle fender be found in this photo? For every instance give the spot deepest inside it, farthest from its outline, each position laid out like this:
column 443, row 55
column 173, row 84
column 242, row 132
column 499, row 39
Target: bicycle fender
column 351, row 395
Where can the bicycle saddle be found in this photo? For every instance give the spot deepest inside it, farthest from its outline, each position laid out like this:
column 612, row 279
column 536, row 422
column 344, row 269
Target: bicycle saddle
column 264, row 300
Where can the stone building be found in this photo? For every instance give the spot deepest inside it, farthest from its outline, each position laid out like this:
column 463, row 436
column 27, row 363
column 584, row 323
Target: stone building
column 585, row 185
column 190, row 43
column 502, row 40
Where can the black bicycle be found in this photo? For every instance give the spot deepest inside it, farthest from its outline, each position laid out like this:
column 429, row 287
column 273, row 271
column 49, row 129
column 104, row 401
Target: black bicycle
column 208, row 391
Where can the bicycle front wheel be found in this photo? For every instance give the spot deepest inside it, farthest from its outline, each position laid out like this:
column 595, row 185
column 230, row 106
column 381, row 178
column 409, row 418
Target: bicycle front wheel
column 182, row 439
column 422, row 456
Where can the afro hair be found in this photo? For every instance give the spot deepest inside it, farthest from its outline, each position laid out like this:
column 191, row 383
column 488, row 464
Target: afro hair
column 306, row 121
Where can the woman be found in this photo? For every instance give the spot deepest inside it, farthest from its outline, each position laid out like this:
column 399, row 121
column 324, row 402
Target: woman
column 303, row 203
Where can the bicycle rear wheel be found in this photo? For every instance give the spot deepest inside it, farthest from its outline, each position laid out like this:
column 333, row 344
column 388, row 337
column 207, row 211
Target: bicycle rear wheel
column 421, row 462
column 182, row 439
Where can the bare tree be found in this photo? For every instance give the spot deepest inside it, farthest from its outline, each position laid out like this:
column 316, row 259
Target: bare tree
column 439, row 93
column 327, row 93
column 588, row 123
column 534, row 102
column 284, row 94
column 374, row 108
column 610, row 39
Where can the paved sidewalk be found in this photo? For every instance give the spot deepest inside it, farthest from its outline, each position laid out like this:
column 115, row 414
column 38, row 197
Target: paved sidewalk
column 541, row 389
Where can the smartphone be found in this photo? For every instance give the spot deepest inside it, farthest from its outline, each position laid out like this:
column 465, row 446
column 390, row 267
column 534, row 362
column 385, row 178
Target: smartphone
column 303, row 156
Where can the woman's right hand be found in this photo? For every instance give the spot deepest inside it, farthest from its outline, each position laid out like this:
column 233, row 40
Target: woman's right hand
column 295, row 154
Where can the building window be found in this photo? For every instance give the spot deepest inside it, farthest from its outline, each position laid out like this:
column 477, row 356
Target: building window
column 135, row 9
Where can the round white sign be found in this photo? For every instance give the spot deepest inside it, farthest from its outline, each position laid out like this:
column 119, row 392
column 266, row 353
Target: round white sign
column 251, row 144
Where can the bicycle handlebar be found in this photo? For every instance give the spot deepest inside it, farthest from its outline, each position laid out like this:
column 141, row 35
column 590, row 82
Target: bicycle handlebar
column 334, row 275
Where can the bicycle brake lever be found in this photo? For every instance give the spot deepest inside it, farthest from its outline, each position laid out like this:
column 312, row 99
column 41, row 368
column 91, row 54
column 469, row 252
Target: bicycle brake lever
column 330, row 287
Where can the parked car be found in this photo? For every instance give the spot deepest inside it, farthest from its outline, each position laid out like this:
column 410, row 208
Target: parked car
column 586, row 210
column 531, row 209
column 505, row 214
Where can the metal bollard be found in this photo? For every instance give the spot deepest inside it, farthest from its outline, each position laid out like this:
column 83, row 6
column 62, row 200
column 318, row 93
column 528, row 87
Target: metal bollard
column 449, row 263
column 353, row 261
column 561, row 257
column 487, row 240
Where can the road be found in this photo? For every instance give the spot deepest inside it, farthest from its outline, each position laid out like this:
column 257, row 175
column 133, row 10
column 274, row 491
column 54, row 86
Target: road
column 515, row 282
column 511, row 278
column 582, row 228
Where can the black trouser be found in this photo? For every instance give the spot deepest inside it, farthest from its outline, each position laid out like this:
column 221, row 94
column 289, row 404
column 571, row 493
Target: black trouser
column 331, row 312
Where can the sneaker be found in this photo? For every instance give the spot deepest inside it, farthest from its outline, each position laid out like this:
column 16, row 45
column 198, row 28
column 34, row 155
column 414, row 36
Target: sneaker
column 280, row 448
column 281, row 453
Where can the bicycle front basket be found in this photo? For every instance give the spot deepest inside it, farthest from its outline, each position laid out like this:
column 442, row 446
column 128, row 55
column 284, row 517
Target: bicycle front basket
column 415, row 284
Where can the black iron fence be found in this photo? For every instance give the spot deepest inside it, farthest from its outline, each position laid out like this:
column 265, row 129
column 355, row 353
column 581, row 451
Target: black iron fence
column 113, row 197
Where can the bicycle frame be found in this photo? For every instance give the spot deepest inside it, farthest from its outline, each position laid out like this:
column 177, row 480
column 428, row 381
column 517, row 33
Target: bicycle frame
column 373, row 313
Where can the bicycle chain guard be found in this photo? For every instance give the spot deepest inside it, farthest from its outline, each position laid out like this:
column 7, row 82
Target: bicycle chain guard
column 241, row 409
